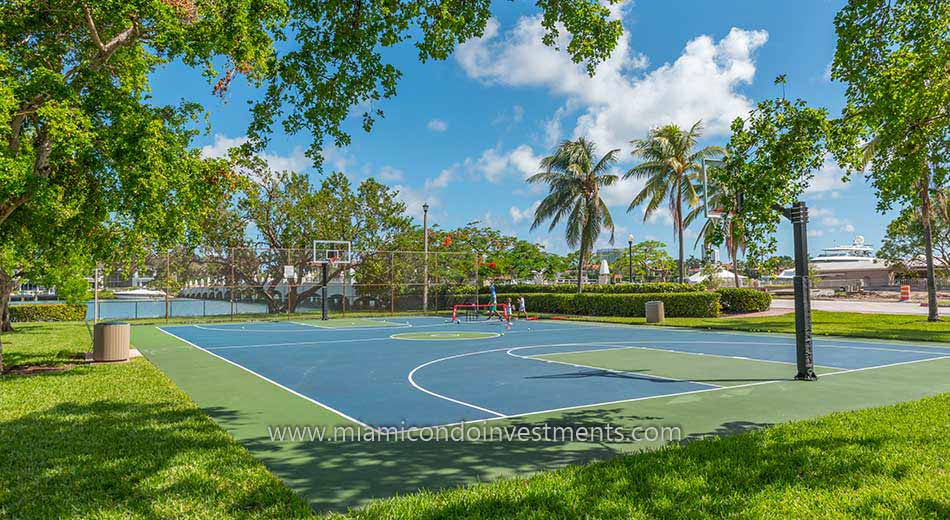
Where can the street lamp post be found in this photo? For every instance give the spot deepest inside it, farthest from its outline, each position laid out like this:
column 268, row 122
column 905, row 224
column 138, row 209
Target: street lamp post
column 630, row 254
column 425, row 275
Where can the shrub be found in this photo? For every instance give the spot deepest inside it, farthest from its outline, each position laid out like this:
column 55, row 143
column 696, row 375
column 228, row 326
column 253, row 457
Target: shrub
column 619, row 288
column 744, row 300
column 677, row 305
column 48, row 312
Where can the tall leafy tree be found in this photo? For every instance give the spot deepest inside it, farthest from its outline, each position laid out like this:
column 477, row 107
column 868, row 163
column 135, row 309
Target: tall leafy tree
column 83, row 147
column 904, row 243
column 894, row 57
column 650, row 261
column 671, row 168
column 275, row 218
column 772, row 156
column 575, row 177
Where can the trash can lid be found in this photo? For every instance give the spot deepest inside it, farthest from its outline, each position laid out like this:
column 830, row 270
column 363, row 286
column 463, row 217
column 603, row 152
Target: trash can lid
column 113, row 323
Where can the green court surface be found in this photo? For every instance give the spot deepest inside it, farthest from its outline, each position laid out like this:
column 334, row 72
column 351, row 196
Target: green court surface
column 702, row 368
column 341, row 323
column 739, row 394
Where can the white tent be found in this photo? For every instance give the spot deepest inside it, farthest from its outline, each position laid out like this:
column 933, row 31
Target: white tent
column 724, row 276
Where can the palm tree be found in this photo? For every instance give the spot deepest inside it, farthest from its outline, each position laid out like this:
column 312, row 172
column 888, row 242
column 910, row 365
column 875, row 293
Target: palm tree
column 734, row 237
column 671, row 169
column 574, row 181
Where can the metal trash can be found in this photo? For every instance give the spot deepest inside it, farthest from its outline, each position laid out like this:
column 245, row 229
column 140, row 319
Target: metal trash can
column 655, row 312
column 110, row 341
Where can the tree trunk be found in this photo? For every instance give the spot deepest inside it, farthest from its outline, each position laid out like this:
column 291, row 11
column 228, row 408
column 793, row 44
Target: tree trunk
column 925, row 210
column 6, row 289
column 580, row 271
column 7, row 284
column 733, row 253
column 735, row 267
column 679, row 225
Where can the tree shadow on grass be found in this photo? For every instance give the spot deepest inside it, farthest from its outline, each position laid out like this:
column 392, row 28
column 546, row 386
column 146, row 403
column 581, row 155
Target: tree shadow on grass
column 117, row 456
column 338, row 475
column 733, row 476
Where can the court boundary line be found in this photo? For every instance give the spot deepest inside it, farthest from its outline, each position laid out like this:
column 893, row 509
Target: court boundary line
column 606, row 403
column 415, row 385
column 936, row 356
column 271, row 381
column 677, row 328
column 742, row 358
column 330, row 341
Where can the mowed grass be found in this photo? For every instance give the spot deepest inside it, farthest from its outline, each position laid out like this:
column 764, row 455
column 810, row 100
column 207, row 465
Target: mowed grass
column 849, row 324
column 118, row 441
column 884, row 462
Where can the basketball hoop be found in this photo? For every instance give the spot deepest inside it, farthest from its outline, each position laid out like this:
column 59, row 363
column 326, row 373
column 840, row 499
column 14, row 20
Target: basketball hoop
column 331, row 252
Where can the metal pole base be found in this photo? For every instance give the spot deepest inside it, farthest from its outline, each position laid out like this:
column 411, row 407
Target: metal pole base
column 806, row 376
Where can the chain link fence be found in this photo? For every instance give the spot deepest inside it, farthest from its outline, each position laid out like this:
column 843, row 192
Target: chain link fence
column 264, row 281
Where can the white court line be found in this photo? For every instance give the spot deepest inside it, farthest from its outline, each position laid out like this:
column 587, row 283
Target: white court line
column 686, row 352
column 885, row 366
column 296, row 343
column 271, row 381
column 789, row 335
column 606, row 403
column 323, row 342
column 638, row 374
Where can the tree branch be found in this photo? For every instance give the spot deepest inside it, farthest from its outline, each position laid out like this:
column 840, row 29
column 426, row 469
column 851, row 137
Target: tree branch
column 92, row 29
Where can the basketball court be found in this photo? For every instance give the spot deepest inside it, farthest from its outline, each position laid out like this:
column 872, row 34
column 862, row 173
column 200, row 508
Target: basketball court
column 430, row 371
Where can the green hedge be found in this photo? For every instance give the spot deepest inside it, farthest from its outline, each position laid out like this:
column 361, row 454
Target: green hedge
column 48, row 312
column 744, row 300
column 617, row 288
column 677, row 305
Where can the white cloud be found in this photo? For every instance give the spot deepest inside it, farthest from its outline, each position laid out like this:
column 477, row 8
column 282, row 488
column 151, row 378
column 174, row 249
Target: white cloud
column 827, row 178
column 494, row 164
column 517, row 113
column 221, row 145
column 552, row 128
column 621, row 101
column 815, row 233
column 848, row 228
column 437, row 125
column 622, row 192
column 442, row 179
column 518, row 215
column 297, row 160
column 415, row 199
column 661, row 215
column 388, row 173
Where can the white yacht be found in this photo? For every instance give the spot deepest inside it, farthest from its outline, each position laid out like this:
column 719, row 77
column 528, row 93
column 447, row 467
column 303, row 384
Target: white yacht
column 140, row 294
column 855, row 262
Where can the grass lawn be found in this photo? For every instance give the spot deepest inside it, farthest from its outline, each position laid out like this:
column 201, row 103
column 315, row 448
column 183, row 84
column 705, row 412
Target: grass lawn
column 879, row 326
column 880, row 462
column 122, row 440
column 117, row 441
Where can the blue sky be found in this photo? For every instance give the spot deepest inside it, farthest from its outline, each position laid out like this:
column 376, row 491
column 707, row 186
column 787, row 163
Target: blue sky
column 464, row 133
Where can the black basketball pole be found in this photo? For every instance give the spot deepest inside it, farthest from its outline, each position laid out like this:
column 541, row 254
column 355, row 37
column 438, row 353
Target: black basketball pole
column 798, row 214
column 323, row 292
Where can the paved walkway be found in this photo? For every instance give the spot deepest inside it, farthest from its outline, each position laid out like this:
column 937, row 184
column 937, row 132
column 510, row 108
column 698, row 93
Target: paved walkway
column 859, row 306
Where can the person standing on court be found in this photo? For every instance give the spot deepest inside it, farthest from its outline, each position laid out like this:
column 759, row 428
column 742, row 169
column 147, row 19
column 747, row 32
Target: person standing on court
column 492, row 300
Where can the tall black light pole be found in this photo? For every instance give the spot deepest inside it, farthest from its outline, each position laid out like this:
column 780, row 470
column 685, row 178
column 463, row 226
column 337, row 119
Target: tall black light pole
column 425, row 269
column 630, row 254
column 798, row 214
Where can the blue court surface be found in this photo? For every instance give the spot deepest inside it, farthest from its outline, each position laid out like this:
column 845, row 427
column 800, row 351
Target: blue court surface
column 427, row 371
